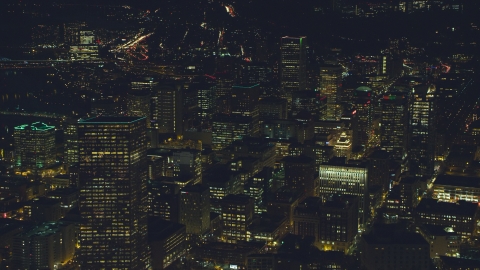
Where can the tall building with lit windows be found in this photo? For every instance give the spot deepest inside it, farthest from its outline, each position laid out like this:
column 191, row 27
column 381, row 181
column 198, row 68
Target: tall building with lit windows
column 227, row 129
column 245, row 103
column 363, row 116
column 394, row 126
column 113, row 193
column 330, row 86
column 34, row 146
column 237, row 215
column 167, row 105
column 194, row 209
column 339, row 177
column 70, row 155
column 421, row 145
column 138, row 104
column 293, row 65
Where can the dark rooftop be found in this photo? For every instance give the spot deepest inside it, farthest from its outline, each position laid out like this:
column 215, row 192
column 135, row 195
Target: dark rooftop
column 111, row 119
column 195, row 188
column 437, row 230
column 236, row 198
column 379, row 154
column 463, row 208
column 160, row 229
column 458, row 181
column 458, row 263
column 392, row 234
column 299, row 159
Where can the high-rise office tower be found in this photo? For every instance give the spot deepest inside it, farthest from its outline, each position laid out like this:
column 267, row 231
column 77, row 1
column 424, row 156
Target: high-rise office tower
column 293, row 66
column 338, row 177
column 227, row 129
column 45, row 246
column 34, row 146
column 206, row 99
column 138, row 104
column 223, row 92
column 272, row 108
column 194, row 209
column 237, row 215
column 144, row 83
column 113, row 193
column 70, row 139
column 167, row 109
column 71, row 32
column 394, row 123
column 300, row 174
column 245, row 103
column 333, row 223
column 330, row 86
column 421, row 145
column 363, row 116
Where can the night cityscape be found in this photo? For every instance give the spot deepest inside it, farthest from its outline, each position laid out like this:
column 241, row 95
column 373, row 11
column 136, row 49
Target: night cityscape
column 240, row 134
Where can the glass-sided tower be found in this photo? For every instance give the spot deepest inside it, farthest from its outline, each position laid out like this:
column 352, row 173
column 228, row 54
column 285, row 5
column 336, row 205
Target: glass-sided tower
column 293, row 66
column 113, row 193
column 34, row 146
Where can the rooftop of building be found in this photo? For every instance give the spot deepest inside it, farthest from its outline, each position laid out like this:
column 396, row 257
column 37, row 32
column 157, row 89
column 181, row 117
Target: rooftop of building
column 63, row 191
column 237, row 119
column 458, row 181
column 391, row 234
column 111, row 120
column 342, row 161
column 44, row 201
column 8, row 225
column 298, row 159
column 408, row 180
column 246, row 86
column 364, row 89
column 44, row 229
column 37, row 126
column 379, row 154
column 237, row 199
column 218, row 174
column 340, row 201
column 459, row 263
column 199, row 188
column 474, row 125
column 266, row 224
column 461, row 208
column 272, row 100
column 13, row 180
column 437, row 230
column 160, row 229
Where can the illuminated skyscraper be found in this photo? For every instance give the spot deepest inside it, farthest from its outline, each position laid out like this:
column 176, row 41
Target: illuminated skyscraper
column 113, row 193
column 245, row 103
column 330, row 85
column 227, row 129
column 293, row 65
column 237, row 215
column 194, row 210
column 138, row 104
column 70, row 156
column 421, row 146
column 167, row 109
column 363, row 118
column 206, row 98
column 144, row 83
column 300, row 174
column 34, row 146
column 338, row 177
column 223, row 92
column 393, row 137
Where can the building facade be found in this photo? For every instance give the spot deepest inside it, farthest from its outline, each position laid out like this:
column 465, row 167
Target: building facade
column 113, row 192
